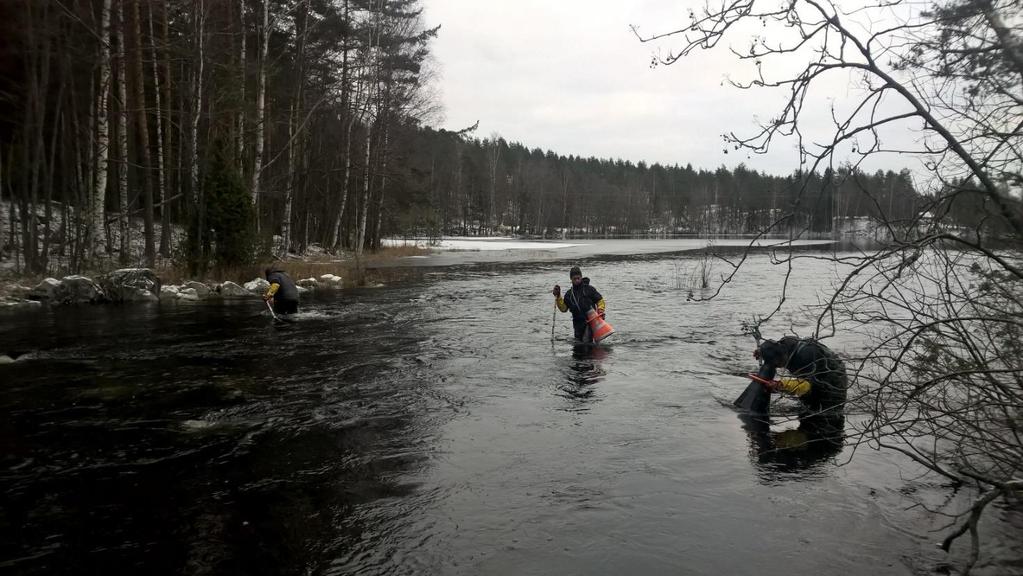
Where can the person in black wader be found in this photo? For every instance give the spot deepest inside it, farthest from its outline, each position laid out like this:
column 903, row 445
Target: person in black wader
column 282, row 291
column 580, row 298
column 818, row 379
column 818, row 376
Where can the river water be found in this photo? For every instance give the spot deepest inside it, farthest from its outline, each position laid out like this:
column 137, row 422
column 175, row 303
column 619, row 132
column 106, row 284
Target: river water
column 433, row 426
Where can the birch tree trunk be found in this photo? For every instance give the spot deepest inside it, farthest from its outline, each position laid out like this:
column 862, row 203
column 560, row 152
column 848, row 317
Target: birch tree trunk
column 257, row 165
column 162, row 148
column 374, row 75
column 364, row 203
column 336, row 238
column 102, row 166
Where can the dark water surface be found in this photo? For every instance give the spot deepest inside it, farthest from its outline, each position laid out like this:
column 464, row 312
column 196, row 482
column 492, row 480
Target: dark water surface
column 433, row 427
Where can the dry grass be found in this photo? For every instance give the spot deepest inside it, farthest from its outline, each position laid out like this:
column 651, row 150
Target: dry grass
column 696, row 278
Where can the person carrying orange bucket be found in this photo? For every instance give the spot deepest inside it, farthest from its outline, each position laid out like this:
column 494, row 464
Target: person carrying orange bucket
column 587, row 307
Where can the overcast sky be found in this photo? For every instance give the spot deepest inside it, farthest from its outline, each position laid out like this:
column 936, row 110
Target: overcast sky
column 570, row 76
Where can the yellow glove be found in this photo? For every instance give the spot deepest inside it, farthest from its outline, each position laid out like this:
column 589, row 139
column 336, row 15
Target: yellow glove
column 271, row 291
column 794, row 386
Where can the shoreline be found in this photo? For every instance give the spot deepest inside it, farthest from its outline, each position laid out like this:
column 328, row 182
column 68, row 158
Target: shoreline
column 132, row 285
column 316, row 272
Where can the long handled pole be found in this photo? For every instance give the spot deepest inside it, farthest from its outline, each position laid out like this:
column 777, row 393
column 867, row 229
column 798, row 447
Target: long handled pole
column 554, row 319
column 271, row 309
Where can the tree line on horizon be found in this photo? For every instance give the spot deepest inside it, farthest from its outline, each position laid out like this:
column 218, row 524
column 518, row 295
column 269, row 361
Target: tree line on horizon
column 455, row 184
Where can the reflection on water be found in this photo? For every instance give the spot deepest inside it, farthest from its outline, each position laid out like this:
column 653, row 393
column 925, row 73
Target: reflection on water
column 796, row 450
column 584, row 371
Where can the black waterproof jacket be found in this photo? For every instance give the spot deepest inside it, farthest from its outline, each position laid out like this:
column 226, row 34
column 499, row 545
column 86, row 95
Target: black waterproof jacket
column 579, row 299
column 812, row 361
column 287, row 291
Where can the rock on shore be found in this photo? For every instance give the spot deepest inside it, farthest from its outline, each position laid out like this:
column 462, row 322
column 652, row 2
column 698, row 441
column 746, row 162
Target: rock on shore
column 142, row 285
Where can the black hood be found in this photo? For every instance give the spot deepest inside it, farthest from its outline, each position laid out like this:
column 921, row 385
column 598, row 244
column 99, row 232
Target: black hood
column 775, row 353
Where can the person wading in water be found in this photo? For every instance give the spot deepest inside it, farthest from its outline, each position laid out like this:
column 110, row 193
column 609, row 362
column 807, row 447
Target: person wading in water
column 818, row 375
column 282, row 291
column 579, row 299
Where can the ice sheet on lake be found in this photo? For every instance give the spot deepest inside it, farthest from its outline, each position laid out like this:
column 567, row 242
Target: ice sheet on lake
column 482, row 243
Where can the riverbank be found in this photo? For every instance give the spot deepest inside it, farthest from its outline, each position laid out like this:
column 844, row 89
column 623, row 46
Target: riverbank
column 372, row 269
column 167, row 282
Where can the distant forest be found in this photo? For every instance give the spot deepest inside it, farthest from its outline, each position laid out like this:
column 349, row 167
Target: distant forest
column 450, row 184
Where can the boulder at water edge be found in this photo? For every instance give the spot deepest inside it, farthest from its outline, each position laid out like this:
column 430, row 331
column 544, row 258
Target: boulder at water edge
column 201, row 290
column 78, row 290
column 257, row 286
column 232, row 290
column 332, row 281
column 131, row 285
column 188, row 294
column 44, row 290
column 169, row 292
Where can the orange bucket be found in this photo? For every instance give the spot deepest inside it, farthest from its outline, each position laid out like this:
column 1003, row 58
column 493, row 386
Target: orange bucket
column 598, row 327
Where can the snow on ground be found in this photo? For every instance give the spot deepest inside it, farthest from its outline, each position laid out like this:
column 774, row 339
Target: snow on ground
column 481, row 243
column 58, row 261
